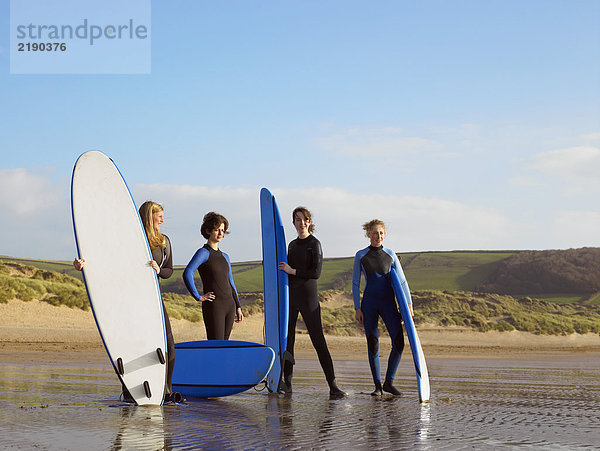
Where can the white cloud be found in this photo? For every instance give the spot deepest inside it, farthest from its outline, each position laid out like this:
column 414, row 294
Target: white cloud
column 24, row 193
column 578, row 167
column 36, row 220
column 413, row 223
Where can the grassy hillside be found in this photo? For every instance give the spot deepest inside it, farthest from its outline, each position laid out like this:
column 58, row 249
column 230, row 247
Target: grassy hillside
column 555, row 271
column 435, row 308
column 50, row 265
column 450, row 271
column 425, row 271
column 27, row 283
column 484, row 312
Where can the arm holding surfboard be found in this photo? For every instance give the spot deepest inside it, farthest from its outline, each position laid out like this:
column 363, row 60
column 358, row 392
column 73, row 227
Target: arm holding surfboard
column 164, row 272
column 79, row 264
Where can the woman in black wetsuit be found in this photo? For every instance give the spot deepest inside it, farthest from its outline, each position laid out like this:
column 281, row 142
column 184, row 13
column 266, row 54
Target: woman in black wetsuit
column 220, row 303
column 152, row 216
column 305, row 259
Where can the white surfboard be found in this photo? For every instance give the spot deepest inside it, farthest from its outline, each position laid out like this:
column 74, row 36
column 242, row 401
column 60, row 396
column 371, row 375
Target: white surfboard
column 122, row 286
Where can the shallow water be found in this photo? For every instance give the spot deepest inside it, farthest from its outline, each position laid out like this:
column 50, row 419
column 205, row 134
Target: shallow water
column 544, row 403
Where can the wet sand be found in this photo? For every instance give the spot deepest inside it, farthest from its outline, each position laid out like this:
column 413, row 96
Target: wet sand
column 549, row 403
column 489, row 390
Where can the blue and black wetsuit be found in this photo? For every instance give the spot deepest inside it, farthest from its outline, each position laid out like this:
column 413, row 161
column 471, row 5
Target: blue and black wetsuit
column 214, row 268
column 379, row 300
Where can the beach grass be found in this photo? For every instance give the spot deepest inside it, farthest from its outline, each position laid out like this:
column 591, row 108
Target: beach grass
column 26, row 283
column 438, row 308
column 450, row 271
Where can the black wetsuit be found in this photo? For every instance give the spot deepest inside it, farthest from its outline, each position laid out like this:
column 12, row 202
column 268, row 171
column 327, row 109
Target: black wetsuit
column 214, row 268
column 164, row 257
column 306, row 257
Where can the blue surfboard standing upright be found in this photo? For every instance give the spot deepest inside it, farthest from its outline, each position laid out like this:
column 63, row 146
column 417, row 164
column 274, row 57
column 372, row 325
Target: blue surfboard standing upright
column 413, row 339
column 275, row 282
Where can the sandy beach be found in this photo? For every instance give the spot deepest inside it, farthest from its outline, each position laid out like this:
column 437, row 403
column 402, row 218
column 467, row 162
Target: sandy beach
column 39, row 331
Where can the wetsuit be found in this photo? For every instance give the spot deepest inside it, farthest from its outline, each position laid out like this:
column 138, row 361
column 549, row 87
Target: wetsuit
column 214, row 268
column 306, row 257
column 164, row 257
column 375, row 263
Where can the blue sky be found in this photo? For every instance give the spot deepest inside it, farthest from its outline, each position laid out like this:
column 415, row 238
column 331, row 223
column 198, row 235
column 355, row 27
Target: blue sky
column 462, row 124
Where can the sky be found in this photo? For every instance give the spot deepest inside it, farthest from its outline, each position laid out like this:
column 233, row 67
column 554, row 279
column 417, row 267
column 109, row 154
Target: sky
column 464, row 125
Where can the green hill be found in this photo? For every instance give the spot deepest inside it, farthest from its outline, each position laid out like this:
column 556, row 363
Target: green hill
column 425, row 271
column 18, row 281
column 501, row 272
column 454, row 274
column 555, row 271
column 569, row 276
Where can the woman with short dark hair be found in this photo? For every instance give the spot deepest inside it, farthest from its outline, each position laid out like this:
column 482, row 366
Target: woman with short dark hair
column 220, row 303
column 305, row 259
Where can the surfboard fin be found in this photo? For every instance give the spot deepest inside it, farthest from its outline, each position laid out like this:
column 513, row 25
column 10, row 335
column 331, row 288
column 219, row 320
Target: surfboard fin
column 147, row 389
column 161, row 356
column 120, row 367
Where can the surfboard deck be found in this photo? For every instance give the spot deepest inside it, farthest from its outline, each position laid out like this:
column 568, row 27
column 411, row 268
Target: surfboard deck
column 275, row 283
column 215, row 368
column 413, row 338
column 121, row 285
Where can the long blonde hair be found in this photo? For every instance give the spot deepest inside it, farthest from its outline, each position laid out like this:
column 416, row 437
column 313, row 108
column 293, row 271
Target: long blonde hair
column 147, row 211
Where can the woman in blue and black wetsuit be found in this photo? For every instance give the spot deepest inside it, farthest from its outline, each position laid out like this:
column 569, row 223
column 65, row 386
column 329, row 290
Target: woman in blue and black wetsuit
column 305, row 259
column 220, row 303
column 375, row 262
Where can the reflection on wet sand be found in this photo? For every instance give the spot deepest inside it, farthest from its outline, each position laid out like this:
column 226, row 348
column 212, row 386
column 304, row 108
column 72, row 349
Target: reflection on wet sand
column 142, row 428
column 476, row 403
column 423, row 424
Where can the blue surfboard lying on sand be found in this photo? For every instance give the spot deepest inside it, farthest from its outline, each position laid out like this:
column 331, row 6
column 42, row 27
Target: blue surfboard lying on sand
column 215, row 368
column 275, row 284
column 413, row 339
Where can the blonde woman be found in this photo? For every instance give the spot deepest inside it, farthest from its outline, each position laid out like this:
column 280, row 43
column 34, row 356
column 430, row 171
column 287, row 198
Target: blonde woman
column 375, row 262
column 152, row 216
